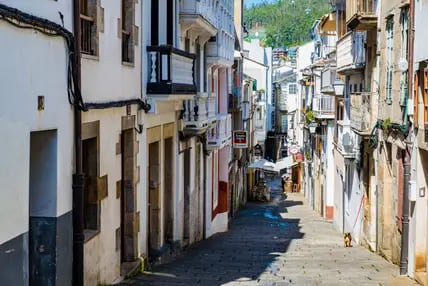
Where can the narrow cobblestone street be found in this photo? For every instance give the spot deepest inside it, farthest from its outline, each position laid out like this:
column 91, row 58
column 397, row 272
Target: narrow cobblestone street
column 280, row 243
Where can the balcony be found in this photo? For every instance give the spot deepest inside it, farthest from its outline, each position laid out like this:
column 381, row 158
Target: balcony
column 351, row 53
column 361, row 14
column 360, row 113
column 212, row 110
column 171, row 71
column 328, row 76
column 199, row 16
column 220, row 50
column 283, row 107
column 234, row 100
column 221, row 134
column 195, row 115
column 323, row 106
column 346, row 142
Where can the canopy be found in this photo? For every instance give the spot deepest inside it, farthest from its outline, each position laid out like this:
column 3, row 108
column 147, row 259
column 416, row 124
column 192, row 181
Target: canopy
column 285, row 163
column 264, row 165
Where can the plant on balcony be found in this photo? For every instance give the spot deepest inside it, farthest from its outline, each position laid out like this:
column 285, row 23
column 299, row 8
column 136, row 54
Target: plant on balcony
column 309, row 116
column 386, row 124
column 308, row 156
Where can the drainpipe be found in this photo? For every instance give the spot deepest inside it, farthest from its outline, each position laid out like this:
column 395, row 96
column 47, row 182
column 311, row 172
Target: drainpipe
column 404, row 259
column 405, row 221
column 78, row 176
column 204, row 205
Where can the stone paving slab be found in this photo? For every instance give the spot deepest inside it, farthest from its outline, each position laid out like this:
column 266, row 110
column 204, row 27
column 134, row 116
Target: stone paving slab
column 273, row 244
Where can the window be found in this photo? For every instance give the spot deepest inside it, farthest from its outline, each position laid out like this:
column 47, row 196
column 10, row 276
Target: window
column 389, row 58
column 127, row 26
column 292, row 88
column 404, row 21
column 88, row 27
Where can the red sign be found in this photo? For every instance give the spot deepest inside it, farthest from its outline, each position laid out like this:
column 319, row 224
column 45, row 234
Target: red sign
column 240, row 139
column 298, row 157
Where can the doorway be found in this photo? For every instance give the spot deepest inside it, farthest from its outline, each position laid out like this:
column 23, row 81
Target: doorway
column 186, row 216
column 43, row 208
column 169, row 195
column 154, row 198
column 129, row 239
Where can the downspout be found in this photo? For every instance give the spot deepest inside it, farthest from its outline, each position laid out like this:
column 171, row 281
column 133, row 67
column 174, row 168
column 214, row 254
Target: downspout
column 204, row 204
column 78, row 176
column 405, row 221
column 404, row 259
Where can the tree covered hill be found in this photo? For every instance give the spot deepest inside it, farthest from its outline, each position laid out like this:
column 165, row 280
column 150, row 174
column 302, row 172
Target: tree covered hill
column 284, row 22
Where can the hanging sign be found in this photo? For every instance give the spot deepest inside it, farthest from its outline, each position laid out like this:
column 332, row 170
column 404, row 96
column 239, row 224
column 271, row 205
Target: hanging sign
column 240, row 139
column 258, row 150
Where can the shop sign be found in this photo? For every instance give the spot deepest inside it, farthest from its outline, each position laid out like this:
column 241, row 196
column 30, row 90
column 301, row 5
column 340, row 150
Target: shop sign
column 240, row 139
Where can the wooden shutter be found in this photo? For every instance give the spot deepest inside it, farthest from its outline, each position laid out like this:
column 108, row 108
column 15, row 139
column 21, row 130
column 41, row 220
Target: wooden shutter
column 415, row 99
column 425, row 95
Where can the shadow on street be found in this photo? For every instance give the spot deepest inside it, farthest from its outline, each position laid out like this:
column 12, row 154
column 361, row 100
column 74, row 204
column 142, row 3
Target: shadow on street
column 258, row 234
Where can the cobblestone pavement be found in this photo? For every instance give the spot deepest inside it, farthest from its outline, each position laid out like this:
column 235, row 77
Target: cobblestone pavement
column 275, row 244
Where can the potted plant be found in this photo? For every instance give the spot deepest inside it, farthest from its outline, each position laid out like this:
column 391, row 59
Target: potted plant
column 309, row 116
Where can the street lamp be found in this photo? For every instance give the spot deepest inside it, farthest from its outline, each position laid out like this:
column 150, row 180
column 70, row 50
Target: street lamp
column 313, row 127
column 338, row 86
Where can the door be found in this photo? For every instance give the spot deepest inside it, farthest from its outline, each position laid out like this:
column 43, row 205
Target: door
column 129, row 238
column 169, row 195
column 186, row 216
column 154, row 197
column 43, row 209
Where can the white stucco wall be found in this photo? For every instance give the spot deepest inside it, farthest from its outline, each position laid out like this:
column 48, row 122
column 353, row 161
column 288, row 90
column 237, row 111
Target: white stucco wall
column 105, row 78
column 43, row 62
column 47, row 10
column 330, row 170
column 102, row 260
column 339, row 183
column 421, row 37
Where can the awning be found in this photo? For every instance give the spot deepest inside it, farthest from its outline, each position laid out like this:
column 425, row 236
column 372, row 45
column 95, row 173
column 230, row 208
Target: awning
column 263, row 165
column 285, row 163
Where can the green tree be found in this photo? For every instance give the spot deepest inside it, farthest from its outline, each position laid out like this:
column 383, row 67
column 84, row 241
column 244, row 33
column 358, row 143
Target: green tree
column 285, row 22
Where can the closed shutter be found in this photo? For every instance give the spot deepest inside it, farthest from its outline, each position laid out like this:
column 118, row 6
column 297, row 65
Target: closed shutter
column 415, row 99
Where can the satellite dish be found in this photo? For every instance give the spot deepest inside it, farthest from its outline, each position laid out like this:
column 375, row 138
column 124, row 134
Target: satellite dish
column 403, row 65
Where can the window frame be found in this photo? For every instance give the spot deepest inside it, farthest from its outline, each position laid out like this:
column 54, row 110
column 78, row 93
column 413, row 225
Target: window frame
column 389, row 58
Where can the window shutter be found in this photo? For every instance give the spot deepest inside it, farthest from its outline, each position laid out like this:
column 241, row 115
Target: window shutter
column 102, row 187
column 415, row 99
column 425, row 95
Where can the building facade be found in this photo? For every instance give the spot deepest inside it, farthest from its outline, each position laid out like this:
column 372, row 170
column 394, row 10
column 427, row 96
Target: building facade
column 37, row 126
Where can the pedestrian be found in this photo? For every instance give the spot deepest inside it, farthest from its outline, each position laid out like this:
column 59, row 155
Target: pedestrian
column 283, row 184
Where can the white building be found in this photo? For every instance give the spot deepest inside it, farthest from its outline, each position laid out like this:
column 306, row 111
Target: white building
column 186, row 79
column 418, row 238
column 258, row 65
column 111, row 140
column 36, row 150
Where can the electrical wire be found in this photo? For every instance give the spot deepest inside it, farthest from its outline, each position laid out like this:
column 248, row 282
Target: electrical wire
column 23, row 20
